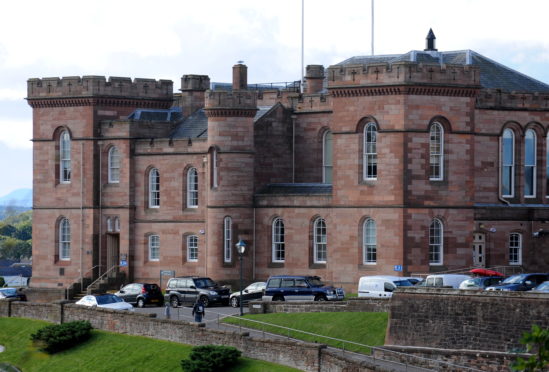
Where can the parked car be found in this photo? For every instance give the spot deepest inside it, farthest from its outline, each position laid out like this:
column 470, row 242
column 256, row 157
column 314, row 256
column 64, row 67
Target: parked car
column 445, row 280
column 187, row 289
column 107, row 301
column 481, row 282
column 542, row 288
column 252, row 292
column 304, row 288
column 380, row 285
column 141, row 294
column 520, row 282
column 12, row 293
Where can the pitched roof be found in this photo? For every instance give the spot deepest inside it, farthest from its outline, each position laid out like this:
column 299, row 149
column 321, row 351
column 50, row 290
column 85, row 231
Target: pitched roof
column 493, row 75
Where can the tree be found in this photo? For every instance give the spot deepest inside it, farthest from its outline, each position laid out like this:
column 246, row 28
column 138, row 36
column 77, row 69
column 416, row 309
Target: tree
column 537, row 342
column 7, row 229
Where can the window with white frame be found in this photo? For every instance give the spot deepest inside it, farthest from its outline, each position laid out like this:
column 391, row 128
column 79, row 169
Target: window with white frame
column 65, row 157
column 278, row 248
column 154, row 248
column 114, row 165
column 515, row 249
column 320, row 241
column 327, row 158
column 192, row 248
column 192, row 188
column 436, row 152
column 369, row 241
column 227, row 239
column 435, row 242
column 508, row 163
column 64, row 240
column 370, row 152
column 154, row 188
column 109, row 224
column 530, row 164
column 117, row 224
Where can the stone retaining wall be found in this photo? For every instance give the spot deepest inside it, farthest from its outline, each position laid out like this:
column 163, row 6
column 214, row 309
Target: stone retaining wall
column 350, row 305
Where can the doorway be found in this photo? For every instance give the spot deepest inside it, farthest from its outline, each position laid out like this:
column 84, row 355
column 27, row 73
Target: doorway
column 113, row 254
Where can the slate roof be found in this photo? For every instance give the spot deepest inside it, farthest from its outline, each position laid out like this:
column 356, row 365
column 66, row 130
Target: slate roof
column 296, row 189
column 493, row 75
column 24, row 271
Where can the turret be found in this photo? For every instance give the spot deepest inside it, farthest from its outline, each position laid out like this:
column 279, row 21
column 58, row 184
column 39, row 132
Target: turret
column 314, row 78
column 193, row 88
column 430, row 41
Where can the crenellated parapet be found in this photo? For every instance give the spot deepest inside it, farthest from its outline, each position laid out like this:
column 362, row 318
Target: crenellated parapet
column 496, row 99
column 234, row 103
column 76, row 88
column 311, row 103
column 383, row 76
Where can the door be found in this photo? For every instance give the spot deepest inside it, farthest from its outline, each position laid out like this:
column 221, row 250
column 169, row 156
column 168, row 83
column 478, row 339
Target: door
column 113, row 254
column 479, row 248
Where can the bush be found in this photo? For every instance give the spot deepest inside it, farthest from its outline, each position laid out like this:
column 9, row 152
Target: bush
column 210, row 358
column 537, row 343
column 59, row 337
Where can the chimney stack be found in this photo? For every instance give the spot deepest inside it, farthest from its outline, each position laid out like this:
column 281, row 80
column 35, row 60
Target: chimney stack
column 240, row 76
column 314, row 78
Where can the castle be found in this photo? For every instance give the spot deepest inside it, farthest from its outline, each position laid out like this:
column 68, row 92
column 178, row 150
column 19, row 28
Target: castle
column 422, row 162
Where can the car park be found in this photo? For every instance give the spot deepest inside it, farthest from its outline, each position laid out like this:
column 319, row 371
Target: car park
column 481, row 282
column 445, row 280
column 12, row 293
column 300, row 288
column 188, row 289
column 107, row 301
column 141, row 294
column 380, row 285
column 520, row 282
column 542, row 288
column 252, row 292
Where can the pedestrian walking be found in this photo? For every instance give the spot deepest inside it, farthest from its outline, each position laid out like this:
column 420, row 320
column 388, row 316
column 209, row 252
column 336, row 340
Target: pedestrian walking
column 198, row 311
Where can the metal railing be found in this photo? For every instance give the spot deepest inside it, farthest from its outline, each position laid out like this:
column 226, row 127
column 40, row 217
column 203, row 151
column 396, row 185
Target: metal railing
column 505, row 270
column 101, row 277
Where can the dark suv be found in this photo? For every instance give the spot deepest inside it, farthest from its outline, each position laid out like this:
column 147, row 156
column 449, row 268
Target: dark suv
column 304, row 288
column 141, row 294
column 187, row 289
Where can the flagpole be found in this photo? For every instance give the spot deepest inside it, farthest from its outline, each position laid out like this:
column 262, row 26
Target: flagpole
column 372, row 27
column 302, row 43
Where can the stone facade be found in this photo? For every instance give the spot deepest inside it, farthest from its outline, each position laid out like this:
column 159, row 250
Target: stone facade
column 243, row 151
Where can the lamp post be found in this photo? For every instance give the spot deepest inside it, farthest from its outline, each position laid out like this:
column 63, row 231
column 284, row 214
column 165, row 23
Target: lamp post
column 240, row 248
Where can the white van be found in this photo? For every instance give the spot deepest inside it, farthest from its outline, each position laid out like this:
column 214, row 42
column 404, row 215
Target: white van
column 445, row 280
column 380, row 285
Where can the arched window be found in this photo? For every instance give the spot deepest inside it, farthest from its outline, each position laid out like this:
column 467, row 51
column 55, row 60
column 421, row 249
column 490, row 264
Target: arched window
column 320, row 241
column 192, row 188
column 227, row 239
column 154, row 188
column 64, row 240
column 109, row 224
column 327, row 160
column 114, row 165
column 192, row 248
column 65, row 157
column 278, row 248
column 435, row 242
column 530, row 164
column 515, row 249
column 369, row 242
column 508, row 164
column 154, row 248
column 370, row 152
column 117, row 224
column 436, row 152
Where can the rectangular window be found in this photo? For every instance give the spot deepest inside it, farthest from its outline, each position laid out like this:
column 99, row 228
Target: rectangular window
column 515, row 249
column 278, row 241
column 227, row 239
column 370, row 244
column 436, row 153
column 320, row 241
column 154, row 248
column 192, row 248
column 192, row 188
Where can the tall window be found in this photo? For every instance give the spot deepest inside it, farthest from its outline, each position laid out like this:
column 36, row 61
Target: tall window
column 227, row 239
column 370, row 152
column 278, row 240
column 214, row 168
column 327, row 160
column 192, row 248
column 547, row 167
column 508, row 163
column 436, row 152
column 117, row 224
column 154, row 188
column 192, row 188
column 369, row 242
column 114, row 165
column 515, row 249
column 154, row 248
column 320, row 241
column 65, row 157
column 109, row 224
column 530, row 163
column 435, row 242
column 64, row 239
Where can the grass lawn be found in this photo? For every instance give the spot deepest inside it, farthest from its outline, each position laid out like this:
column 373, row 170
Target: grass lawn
column 363, row 328
column 105, row 351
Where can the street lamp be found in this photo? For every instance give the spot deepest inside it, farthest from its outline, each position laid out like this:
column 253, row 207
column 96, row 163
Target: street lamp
column 240, row 248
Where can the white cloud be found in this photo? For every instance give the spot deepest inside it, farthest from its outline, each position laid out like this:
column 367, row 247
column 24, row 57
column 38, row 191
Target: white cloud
column 16, row 133
column 11, row 94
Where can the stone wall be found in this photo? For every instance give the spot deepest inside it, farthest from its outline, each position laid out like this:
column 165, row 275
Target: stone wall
column 351, row 305
column 470, row 320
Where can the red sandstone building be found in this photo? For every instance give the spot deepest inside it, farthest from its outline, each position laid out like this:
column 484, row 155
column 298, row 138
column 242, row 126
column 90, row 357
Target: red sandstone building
column 426, row 161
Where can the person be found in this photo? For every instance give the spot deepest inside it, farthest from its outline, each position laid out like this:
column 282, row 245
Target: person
column 198, row 311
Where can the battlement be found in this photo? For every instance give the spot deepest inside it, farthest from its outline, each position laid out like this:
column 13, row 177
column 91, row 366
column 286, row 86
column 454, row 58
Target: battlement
column 195, row 82
column 87, row 86
column 242, row 99
column 311, row 103
column 496, row 99
column 403, row 73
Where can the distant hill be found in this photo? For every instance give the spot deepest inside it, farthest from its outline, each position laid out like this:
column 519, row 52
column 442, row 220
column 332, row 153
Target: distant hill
column 15, row 202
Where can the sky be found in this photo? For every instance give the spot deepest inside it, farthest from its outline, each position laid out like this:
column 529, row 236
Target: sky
column 167, row 39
